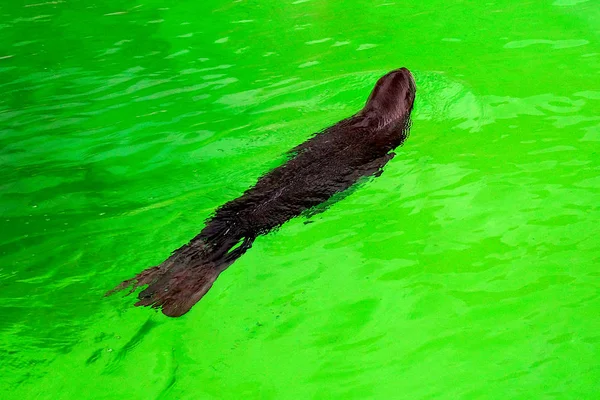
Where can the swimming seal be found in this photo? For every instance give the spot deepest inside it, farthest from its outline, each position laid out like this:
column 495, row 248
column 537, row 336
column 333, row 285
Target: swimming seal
column 328, row 163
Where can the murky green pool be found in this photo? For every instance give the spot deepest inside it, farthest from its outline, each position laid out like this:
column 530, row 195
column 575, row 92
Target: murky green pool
column 468, row 270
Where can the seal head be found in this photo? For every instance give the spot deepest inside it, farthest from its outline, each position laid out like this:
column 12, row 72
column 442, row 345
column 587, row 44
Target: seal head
column 392, row 98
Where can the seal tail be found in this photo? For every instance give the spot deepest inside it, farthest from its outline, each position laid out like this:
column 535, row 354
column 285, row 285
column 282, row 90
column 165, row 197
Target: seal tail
column 184, row 278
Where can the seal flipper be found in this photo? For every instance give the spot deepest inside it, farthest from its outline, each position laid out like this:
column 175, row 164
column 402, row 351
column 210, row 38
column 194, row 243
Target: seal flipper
column 184, row 278
column 178, row 289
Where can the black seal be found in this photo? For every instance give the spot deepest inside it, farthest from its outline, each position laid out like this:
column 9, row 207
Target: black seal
column 328, row 163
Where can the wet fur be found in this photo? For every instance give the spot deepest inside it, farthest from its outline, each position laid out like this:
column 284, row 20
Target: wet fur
column 328, row 163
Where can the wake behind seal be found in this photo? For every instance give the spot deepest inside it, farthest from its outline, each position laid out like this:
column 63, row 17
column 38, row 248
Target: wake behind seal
column 328, row 163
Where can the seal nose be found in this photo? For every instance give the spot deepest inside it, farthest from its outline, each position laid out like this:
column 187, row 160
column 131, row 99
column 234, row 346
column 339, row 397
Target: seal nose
column 393, row 94
column 408, row 75
column 413, row 84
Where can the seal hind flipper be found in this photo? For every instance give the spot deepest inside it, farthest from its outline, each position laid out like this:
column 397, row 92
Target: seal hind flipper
column 184, row 278
column 178, row 289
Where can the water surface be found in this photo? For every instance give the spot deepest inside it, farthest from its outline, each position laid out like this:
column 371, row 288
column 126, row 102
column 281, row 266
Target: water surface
column 468, row 270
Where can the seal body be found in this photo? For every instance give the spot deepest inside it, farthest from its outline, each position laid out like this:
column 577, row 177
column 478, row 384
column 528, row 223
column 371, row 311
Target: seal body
column 328, row 163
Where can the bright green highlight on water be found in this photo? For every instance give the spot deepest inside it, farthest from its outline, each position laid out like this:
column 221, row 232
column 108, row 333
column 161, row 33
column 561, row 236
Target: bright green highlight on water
column 468, row 270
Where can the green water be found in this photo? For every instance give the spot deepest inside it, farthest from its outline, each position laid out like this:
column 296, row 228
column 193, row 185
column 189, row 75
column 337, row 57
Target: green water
column 468, row 270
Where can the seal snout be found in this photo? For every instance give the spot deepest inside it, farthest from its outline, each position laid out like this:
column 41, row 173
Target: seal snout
column 393, row 95
column 409, row 76
column 405, row 78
